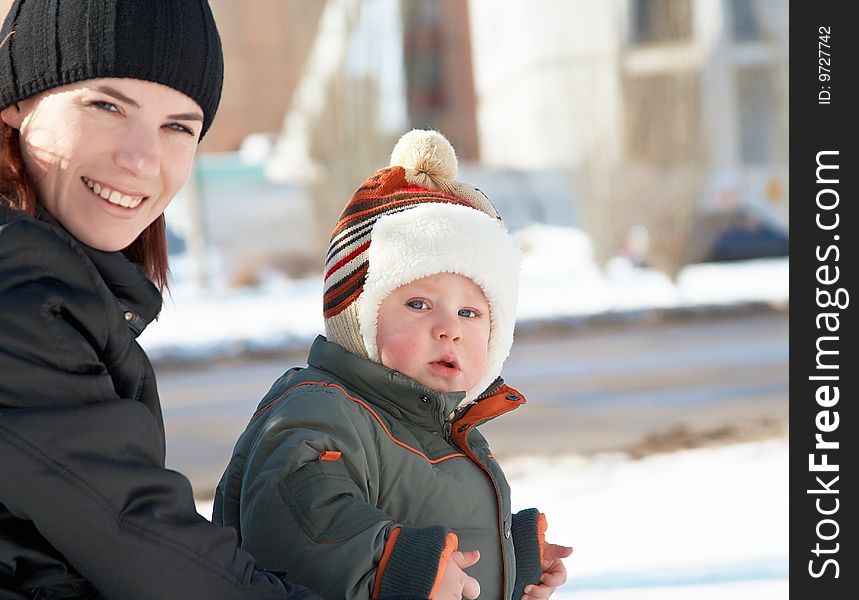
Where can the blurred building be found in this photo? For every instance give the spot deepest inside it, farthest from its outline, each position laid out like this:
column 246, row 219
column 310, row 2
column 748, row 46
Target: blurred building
column 438, row 71
column 664, row 110
column 668, row 116
column 266, row 44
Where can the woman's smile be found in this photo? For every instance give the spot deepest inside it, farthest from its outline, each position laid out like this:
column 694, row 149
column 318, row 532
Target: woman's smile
column 112, row 195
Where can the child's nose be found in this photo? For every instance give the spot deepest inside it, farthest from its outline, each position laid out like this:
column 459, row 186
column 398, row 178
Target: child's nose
column 447, row 329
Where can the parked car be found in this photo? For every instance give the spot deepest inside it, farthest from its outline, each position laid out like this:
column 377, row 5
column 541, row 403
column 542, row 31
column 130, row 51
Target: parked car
column 746, row 238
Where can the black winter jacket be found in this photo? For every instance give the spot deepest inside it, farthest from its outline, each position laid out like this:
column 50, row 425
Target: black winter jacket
column 87, row 508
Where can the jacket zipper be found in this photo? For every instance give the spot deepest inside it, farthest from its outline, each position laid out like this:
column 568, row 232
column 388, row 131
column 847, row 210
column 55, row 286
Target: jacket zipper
column 473, row 457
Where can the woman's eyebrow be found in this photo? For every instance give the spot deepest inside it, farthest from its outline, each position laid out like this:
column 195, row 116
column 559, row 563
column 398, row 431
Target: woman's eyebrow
column 186, row 117
column 106, row 89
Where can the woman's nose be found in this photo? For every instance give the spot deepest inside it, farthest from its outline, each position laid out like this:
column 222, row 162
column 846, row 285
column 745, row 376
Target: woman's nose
column 139, row 153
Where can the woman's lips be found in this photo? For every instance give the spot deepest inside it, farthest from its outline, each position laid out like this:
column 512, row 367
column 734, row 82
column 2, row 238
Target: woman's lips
column 111, row 195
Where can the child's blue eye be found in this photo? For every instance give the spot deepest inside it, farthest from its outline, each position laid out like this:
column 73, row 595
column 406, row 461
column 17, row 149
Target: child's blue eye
column 416, row 304
column 468, row 313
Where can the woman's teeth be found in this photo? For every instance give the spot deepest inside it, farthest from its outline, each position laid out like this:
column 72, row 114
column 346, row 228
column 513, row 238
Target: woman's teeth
column 113, row 196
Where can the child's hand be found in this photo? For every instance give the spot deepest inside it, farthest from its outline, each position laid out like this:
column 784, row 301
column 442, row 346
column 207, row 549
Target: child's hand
column 455, row 584
column 554, row 572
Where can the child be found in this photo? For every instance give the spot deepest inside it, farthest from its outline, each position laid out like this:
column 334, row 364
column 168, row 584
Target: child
column 362, row 474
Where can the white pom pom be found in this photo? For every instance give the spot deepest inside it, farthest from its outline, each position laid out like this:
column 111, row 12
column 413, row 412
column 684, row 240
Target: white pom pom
column 428, row 158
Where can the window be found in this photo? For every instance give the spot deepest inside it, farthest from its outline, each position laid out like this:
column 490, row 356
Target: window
column 656, row 21
column 662, row 118
column 745, row 21
column 423, row 28
column 757, row 109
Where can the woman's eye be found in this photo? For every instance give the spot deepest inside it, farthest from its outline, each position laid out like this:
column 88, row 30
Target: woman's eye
column 181, row 128
column 469, row 313
column 417, row 304
column 108, row 106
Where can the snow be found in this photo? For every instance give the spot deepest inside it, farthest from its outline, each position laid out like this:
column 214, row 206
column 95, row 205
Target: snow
column 765, row 589
column 559, row 279
column 700, row 516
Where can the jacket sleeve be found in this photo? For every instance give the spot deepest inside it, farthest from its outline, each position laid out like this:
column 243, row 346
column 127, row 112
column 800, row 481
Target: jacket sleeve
column 309, row 507
column 127, row 525
column 86, row 466
column 528, row 531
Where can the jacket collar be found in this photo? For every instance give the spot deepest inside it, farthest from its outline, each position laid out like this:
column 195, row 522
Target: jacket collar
column 390, row 390
column 133, row 290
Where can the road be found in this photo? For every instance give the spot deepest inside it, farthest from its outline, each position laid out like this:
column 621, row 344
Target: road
column 589, row 389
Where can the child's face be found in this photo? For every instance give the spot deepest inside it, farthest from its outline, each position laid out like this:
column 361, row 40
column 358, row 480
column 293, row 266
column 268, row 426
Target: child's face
column 436, row 331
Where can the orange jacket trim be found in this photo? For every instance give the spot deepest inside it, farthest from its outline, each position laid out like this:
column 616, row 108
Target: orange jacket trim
column 450, row 544
column 386, row 555
column 502, row 401
column 330, row 455
column 370, row 410
column 542, row 525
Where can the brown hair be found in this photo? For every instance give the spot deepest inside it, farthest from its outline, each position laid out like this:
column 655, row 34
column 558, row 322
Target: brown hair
column 17, row 190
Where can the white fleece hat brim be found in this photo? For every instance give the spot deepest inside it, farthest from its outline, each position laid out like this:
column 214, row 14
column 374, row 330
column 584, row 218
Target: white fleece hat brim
column 445, row 238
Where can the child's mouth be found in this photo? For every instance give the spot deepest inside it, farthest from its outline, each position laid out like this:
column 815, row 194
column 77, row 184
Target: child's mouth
column 445, row 368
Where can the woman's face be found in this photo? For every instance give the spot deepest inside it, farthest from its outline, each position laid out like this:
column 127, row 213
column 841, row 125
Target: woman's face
column 107, row 155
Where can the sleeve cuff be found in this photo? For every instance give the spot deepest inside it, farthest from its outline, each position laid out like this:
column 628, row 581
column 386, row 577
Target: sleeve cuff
column 413, row 562
column 528, row 532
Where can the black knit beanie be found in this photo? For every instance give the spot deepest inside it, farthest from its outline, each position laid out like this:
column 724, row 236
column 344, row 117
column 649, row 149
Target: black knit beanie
column 49, row 43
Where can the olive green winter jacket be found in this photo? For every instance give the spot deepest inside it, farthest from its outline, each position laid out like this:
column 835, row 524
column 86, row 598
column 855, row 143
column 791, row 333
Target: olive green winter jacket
column 351, row 478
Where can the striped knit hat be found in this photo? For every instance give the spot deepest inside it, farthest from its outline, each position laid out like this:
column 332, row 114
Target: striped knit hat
column 412, row 220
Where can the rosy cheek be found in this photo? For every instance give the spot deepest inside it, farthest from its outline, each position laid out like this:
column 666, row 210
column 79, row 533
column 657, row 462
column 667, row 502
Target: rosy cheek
column 402, row 349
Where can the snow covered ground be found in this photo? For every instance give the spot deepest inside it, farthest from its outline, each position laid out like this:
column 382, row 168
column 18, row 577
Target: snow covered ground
column 698, row 524
column 672, row 525
column 559, row 279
